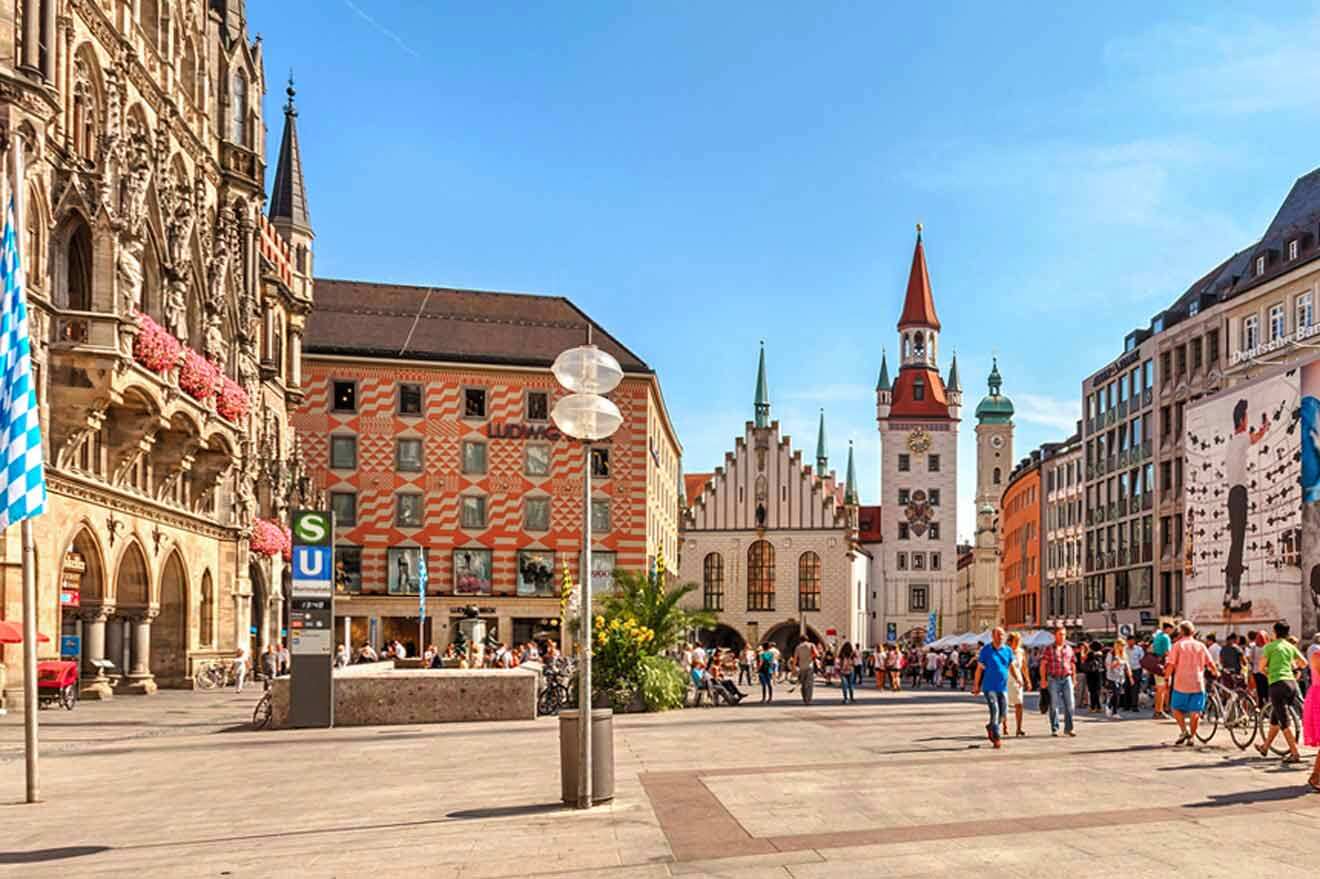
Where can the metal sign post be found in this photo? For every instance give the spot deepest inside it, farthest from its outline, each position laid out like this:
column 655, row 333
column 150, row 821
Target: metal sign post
column 312, row 620
column 421, row 602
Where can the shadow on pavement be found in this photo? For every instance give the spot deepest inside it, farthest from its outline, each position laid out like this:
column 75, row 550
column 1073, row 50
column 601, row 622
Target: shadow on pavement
column 1274, row 794
column 51, row 854
column 506, row 811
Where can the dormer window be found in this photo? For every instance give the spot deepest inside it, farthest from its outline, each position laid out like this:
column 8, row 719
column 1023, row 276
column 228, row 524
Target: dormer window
column 1260, row 266
column 1193, row 309
column 919, row 389
column 1292, row 249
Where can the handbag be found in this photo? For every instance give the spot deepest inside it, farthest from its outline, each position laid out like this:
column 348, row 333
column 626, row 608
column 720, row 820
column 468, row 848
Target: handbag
column 1045, row 701
column 1152, row 664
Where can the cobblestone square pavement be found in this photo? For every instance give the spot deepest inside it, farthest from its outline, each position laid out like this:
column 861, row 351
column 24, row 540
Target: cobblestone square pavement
column 898, row 785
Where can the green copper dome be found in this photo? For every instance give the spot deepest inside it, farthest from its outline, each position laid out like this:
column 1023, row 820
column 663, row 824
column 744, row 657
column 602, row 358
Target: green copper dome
column 995, row 408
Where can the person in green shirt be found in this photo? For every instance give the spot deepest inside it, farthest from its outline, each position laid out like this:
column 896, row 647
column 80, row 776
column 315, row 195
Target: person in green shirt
column 1160, row 646
column 1279, row 661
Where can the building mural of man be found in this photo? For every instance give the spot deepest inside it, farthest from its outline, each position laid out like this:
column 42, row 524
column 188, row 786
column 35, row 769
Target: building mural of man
column 1235, row 471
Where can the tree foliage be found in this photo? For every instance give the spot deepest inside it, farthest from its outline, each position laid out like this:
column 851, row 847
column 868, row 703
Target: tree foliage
column 647, row 599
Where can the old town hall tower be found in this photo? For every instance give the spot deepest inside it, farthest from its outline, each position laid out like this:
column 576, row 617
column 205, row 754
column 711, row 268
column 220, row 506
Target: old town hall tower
column 918, row 414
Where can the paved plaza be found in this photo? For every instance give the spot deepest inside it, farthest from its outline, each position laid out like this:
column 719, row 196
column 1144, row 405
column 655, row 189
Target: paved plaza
column 897, row 785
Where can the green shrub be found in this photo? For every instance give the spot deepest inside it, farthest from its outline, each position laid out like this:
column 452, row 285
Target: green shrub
column 663, row 683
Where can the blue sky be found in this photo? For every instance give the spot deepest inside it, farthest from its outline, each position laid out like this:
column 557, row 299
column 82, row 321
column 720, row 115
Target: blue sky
column 701, row 176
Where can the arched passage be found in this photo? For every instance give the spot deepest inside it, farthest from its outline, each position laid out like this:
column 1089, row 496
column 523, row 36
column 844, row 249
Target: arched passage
column 785, row 636
column 256, row 642
column 132, row 582
column 169, row 631
column 723, row 637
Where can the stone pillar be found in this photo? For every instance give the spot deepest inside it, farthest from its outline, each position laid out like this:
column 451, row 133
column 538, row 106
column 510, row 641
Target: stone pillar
column 95, row 685
column 31, row 36
column 114, row 645
column 49, row 27
column 277, row 618
column 140, row 679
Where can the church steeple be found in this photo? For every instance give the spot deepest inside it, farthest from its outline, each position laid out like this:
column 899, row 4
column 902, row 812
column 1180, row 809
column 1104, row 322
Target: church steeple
column 882, row 384
column 762, row 402
column 822, row 455
column 288, row 198
column 918, row 325
column 952, row 383
column 850, row 487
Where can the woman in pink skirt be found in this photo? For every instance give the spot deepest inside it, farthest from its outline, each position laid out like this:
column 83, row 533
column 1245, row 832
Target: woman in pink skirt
column 1311, row 716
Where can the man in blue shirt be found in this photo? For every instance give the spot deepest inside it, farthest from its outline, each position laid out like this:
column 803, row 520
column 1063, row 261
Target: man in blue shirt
column 1160, row 645
column 993, row 667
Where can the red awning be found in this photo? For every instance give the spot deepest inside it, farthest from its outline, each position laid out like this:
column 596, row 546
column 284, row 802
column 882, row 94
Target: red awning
column 12, row 633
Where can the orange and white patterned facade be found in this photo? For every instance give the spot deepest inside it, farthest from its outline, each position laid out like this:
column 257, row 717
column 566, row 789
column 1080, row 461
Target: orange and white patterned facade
column 461, row 461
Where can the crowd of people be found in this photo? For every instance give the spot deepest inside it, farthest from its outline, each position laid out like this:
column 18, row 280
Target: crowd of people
column 1269, row 666
column 489, row 655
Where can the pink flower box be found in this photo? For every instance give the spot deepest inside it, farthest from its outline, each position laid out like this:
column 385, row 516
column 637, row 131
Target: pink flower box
column 270, row 538
column 198, row 376
column 233, row 402
column 155, row 347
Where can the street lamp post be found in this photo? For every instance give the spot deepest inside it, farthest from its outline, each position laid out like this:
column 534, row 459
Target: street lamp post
column 586, row 372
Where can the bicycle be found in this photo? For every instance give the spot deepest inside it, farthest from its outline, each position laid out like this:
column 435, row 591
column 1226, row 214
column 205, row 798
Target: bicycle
column 214, row 674
column 554, row 696
column 261, row 714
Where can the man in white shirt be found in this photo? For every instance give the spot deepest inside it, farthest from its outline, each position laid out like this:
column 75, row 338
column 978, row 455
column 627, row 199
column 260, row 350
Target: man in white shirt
column 805, row 657
column 1212, row 644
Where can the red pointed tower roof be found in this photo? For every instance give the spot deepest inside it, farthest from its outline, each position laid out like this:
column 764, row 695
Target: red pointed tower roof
column 919, row 305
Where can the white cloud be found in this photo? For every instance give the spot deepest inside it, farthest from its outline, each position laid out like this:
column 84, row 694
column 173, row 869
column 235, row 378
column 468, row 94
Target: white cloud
column 1047, row 411
column 1229, row 66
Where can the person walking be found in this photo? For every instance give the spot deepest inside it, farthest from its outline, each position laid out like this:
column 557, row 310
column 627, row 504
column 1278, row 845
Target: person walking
column 804, row 655
column 1058, row 667
column 1118, row 674
column 746, row 661
column 994, row 666
column 1015, row 688
column 765, row 673
column 1135, row 654
column 1185, row 668
column 270, row 666
column 1279, row 660
column 1160, row 645
column 847, row 665
column 1311, row 716
column 857, row 664
column 1258, row 675
column 240, row 668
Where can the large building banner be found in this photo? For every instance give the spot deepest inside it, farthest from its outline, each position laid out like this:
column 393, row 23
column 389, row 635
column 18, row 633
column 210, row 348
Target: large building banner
column 1310, row 461
column 1243, row 527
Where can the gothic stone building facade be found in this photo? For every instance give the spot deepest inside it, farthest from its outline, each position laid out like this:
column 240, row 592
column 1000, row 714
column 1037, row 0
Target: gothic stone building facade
column 427, row 419
column 166, row 311
column 773, row 542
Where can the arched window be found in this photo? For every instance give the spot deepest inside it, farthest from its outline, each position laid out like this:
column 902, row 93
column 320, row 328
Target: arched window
column 761, row 576
column 207, row 612
column 77, row 293
column 712, row 582
column 996, row 476
column 240, row 125
column 32, row 244
column 919, row 345
column 83, row 125
column 188, row 70
column 809, row 581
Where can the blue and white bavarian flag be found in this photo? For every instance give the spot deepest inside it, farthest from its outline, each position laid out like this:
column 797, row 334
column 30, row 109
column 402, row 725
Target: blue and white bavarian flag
column 23, row 482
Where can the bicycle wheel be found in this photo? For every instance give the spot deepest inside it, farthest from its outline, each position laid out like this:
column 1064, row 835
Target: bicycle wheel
column 1210, row 718
column 548, row 703
column 261, row 714
column 1240, row 718
column 1280, row 745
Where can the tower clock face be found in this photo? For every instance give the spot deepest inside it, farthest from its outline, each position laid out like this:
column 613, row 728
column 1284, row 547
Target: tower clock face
column 997, row 441
column 918, row 441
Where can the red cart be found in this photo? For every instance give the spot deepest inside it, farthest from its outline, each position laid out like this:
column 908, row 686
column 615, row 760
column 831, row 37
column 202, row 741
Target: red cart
column 57, row 683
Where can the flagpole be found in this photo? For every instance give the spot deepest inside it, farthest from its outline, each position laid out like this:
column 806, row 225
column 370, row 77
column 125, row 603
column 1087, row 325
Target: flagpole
column 17, row 190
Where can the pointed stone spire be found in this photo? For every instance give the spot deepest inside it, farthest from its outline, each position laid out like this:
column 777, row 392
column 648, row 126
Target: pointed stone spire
column 762, row 402
column 850, row 487
column 822, row 455
column 883, row 384
column 288, row 197
column 995, row 381
column 919, row 303
column 952, row 383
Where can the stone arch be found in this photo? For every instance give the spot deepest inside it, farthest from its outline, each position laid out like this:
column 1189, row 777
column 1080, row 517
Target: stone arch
column 73, row 277
column 722, row 636
column 786, row 636
column 169, row 630
column 132, row 587
column 34, row 236
column 86, row 103
column 85, row 543
column 260, row 596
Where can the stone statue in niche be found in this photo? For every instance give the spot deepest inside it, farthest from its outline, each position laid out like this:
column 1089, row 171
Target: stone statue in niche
column 176, row 309
column 216, row 347
column 128, row 275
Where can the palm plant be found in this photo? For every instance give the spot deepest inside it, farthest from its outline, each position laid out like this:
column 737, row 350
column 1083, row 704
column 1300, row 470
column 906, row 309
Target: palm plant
column 647, row 599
